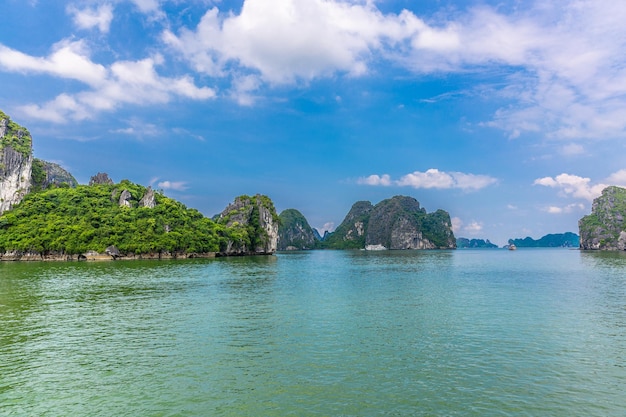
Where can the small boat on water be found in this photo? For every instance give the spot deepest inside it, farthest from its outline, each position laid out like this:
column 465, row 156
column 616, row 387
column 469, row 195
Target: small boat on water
column 512, row 247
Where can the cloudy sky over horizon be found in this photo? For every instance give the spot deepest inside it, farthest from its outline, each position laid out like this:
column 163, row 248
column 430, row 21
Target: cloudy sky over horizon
column 509, row 115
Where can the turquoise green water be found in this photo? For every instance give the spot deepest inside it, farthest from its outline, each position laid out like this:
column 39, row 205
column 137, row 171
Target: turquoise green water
column 422, row 333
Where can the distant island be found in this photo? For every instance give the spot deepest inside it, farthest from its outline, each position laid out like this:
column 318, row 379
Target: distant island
column 556, row 240
column 395, row 223
column 464, row 243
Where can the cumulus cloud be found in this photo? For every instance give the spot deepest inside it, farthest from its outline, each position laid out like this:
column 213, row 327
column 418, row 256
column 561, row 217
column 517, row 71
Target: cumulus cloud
column 579, row 187
column 122, row 82
column 173, row 185
column 290, row 40
column 572, row 186
column 617, row 178
column 432, row 178
column 560, row 63
column 473, row 228
column 563, row 59
column 89, row 18
column 566, row 209
column 69, row 59
column 384, row 180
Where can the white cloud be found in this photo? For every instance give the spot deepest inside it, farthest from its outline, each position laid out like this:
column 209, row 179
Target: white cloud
column 327, row 227
column 135, row 82
column 173, row 185
column 567, row 209
column 88, row 18
column 290, row 40
column 564, row 59
column 457, row 223
column 572, row 149
column 617, row 178
column 432, row 178
column 473, row 228
column 384, row 180
column 138, row 128
column 69, row 59
column 572, row 186
column 561, row 63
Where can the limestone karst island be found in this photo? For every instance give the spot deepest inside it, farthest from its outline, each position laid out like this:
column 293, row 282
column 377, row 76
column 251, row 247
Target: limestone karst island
column 46, row 215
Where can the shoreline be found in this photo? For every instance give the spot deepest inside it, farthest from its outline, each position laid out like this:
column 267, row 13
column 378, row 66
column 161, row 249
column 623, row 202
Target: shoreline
column 104, row 257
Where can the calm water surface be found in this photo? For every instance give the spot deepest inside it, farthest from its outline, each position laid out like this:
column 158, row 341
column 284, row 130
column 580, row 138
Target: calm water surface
column 326, row 333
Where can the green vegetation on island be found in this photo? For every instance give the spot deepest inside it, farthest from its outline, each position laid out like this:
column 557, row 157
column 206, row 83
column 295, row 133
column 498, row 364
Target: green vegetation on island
column 556, row 240
column 605, row 227
column 464, row 243
column 295, row 233
column 89, row 218
column 14, row 136
column 74, row 221
column 395, row 223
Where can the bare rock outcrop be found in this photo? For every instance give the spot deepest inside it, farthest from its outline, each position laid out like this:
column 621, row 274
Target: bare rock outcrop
column 16, row 160
column 148, row 200
column 100, row 178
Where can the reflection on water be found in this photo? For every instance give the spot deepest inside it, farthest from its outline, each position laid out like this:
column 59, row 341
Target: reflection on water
column 534, row 332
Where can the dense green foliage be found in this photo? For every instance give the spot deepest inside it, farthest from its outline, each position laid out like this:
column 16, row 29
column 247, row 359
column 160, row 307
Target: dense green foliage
column 557, row 240
column 89, row 218
column 436, row 227
column 463, row 243
column 16, row 136
column 38, row 175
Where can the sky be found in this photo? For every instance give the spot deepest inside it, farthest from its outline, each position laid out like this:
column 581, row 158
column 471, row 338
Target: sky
column 509, row 115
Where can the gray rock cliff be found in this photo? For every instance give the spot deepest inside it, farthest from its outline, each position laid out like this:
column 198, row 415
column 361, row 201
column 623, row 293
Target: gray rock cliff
column 16, row 160
column 255, row 222
column 47, row 174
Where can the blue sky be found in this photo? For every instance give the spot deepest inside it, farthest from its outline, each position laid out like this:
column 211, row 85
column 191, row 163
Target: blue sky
column 509, row 115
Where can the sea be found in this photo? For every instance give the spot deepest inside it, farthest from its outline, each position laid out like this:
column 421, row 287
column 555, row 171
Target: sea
column 531, row 332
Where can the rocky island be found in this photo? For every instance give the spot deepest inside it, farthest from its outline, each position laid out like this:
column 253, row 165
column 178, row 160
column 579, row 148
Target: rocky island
column 395, row 223
column 553, row 240
column 605, row 227
column 46, row 215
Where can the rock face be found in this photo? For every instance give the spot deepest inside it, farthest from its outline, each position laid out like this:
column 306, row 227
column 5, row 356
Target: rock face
column 351, row 232
column 255, row 222
column 16, row 160
column 294, row 232
column 100, row 178
column 46, row 174
column 395, row 223
column 148, row 199
column 125, row 198
column 605, row 227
